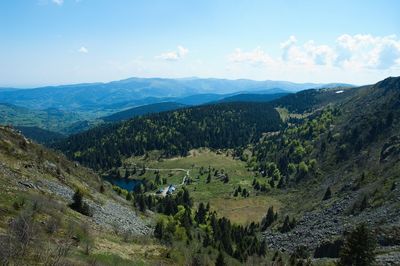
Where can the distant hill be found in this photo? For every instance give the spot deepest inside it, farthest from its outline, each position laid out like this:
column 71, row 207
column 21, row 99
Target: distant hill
column 41, row 136
column 142, row 110
column 199, row 99
column 247, row 97
column 308, row 100
column 50, row 119
column 93, row 97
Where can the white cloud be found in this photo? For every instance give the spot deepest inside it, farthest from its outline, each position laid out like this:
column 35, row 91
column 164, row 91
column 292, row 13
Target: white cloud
column 367, row 51
column 58, row 2
column 255, row 57
column 355, row 52
column 83, row 50
column 178, row 54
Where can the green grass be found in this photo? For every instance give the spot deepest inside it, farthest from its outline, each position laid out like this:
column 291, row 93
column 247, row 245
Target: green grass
column 218, row 194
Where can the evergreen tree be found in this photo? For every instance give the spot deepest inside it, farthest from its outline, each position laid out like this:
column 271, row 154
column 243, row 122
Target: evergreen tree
column 200, row 216
column 328, row 194
column 359, row 248
column 286, row 227
column 159, row 230
column 220, row 260
column 126, row 174
column 78, row 204
column 364, row 203
column 268, row 219
column 209, row 177
column 129, row 196
column 262, row 251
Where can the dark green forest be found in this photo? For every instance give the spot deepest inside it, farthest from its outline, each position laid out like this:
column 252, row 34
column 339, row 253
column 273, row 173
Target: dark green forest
column 174, row 133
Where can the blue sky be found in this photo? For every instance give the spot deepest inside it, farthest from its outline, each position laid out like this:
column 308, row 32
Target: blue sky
column 46, row 42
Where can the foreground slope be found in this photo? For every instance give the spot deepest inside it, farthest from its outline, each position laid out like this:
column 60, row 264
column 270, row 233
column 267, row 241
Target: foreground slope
column 38, row 226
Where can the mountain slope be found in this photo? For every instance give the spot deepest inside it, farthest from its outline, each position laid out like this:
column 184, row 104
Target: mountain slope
column 353, row 149
column 173, row 132
column 142, row 110
column 37, row 188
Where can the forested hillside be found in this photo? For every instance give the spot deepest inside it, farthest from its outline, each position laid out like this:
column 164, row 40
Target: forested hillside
column 175, row 133
column 142, row 110
column 50, row 119
column 338, row 167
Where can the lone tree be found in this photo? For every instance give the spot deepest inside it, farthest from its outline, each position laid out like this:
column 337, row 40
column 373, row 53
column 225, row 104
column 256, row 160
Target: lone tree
column 268, row 219
column 78, row 204
column 208, row 178
column 328, row 194
column 358, row 248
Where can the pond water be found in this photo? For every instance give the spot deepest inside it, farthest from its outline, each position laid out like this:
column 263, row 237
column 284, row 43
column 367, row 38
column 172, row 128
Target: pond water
column 128, row 184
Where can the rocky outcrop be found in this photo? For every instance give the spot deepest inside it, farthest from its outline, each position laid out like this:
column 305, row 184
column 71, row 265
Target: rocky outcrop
column 111, row 215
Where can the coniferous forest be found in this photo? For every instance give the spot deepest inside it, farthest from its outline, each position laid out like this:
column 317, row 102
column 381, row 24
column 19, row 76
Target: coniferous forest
column 225, row 125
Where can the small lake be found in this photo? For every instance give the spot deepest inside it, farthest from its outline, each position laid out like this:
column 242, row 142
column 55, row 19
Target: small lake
column 125, row 183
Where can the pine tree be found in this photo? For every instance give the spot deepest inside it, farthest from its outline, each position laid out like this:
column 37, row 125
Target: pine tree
column 286, row 225
column 268, row 219
column 200, row 216
column 209, row 177
column 129, row 196
column 126, row 174
column 159, row 230
column 328, row 194
column 359, row 248
column 220, row 260
column 364, row 203
column 262, row 250
column 78, row 204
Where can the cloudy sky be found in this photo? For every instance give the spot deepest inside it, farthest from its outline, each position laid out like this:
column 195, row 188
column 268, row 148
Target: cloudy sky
column 45, row 42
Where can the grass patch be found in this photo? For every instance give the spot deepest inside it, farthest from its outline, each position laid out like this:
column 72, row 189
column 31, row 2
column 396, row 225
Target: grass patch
column 217, row 193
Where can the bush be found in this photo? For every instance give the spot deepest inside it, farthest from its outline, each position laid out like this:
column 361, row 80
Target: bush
column 78, row 204
column 359, row 248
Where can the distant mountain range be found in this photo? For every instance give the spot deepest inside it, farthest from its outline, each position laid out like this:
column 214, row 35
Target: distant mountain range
column 138, row 91
column 70, row 109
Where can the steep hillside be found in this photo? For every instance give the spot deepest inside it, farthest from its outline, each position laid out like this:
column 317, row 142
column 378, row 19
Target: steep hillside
column 38, row 224
column 336, row 169
column 174, row 132
column 142, row 110
column 309, row 100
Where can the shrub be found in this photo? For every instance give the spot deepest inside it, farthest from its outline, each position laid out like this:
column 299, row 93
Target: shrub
column 78, row 204
column 359, row 248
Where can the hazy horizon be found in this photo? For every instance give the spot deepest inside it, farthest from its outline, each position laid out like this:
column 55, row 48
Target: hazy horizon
column 167, row 78
column 53, row 42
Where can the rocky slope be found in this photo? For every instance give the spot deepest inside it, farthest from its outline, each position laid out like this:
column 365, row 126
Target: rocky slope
column 360, row 163
column 38, row 185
